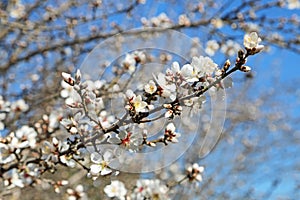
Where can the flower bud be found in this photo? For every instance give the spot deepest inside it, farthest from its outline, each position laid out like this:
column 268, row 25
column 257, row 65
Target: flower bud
column 168, row 106
column 68, row 78
column 241, row 54
column 245, row 69
column 226, row 65
column 78, row 76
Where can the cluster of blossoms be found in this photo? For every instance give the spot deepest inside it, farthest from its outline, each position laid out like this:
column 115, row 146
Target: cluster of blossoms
column 15, row 145
column 91, row 123
column 132, row 60
column 55, row 153
column 162, row 20
column 9, row 110
column 11, row 148
column 77, row 193
column 144, row 189
column 251, row 43
column 231, row 48
column 184, row 20
column 178, row 87
column 12, row 144
column 194, row 172
column 211, row 47
column 101, row 162
column 151, row 188
column 28, row 173
column 174, row 84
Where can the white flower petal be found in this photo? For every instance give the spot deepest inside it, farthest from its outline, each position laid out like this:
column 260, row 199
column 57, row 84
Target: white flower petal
column 95, row 169
column 105, row 171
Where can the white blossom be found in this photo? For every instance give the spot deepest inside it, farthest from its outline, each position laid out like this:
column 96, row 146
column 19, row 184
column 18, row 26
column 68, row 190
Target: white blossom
column 195, row 172
column 204, row 64
column 12, row 178
column 199, row 67
column 138, row 104
column 116, row 189
column 252, row 41
column 189, row 73
column 230, row 48
column 130, row 140
column 101, row 163
column 4, row 105
column 217, row 23
column 106, row 119
column 162, row 20
column 173, row 74
column 184, row 20
column 24, row 137
column 49, row 150
column 68, row 160
column 150, row 189
column 150, row 88
column 4, row 110
column 135, row 102
column 69, row 94
column 139, row 56
column 293, row 4
column 170, row 133
column 6, row 155
column 2, row 117
column 211, row 47
column 129, row 63
column 77, row 193
column 54, row 119
column 167, row 90
column 130, row 94
column 68, row 78
column 19, row 105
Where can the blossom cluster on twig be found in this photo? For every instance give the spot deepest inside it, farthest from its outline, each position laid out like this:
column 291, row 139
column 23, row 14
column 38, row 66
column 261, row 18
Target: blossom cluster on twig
column 165, row 96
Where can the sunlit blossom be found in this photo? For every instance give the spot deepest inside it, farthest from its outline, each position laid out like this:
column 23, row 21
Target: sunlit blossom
column 101, row 163
column 170, row 134
column 150, row 189
column 19, row 105
column 24, row 137
column 251, row 41
column 230, row 48
column 194, row 172
column 150, row 88
column 129, row 139
column 116, row 189
column 77, row 193
column 167, row 89
column 129, row 63
column 293, row 4
column 211, row 47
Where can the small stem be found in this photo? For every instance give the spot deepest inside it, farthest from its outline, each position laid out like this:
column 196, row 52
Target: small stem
column 153, row 119
column 174, row 183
